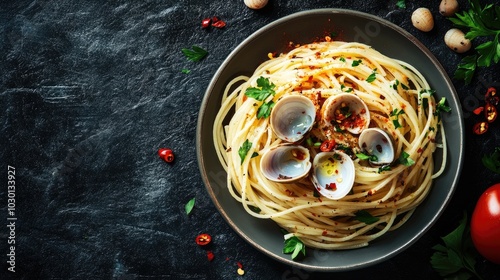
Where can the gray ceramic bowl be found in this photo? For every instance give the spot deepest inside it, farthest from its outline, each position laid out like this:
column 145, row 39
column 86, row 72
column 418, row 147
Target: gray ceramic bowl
column 304, row 27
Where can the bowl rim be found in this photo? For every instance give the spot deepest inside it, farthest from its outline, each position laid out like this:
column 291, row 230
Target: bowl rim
column 411, row 38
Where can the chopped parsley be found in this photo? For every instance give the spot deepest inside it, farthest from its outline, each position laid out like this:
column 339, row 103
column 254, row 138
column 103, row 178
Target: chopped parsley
column 189, row 206
column 356, row 63
column 395, row 113
column 383, row 168
column 405, row 159
column 364, row 156
column 372, row 77
column 195, row 53
column 243, row 150
column 442, row 107
column 365, row 217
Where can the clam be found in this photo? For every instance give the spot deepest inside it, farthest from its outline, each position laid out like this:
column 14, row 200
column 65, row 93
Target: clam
column 333, row 174
column 376, row 142
column 347, row 111
column 292, row 117
column 286, row 163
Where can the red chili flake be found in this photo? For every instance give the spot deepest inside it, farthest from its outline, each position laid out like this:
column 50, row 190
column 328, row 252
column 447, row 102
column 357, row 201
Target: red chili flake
column 420, row 150
column 491, row 97
column 210, row 255
column 478, row 110
column 327, row 145
column 331, row 186
column 480, row 128
column 205, row 23
column 166, row 154
column 219, row 24
column 203, row 239
column 324, row 233
column 239, row 265
column 490, row 112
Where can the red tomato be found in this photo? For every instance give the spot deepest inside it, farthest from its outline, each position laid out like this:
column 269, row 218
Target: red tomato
column 485, row 224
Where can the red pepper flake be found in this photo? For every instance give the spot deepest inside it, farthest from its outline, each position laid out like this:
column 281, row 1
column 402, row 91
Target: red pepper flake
column 327, row 145
column 203, row 239
column 166, row 154
column 210, row 255
column 205, row 23
column 219, row 24
column 478, row 110
column 490, row 112
column 420, row 150
column 240, row 270
column 324, row 233
column 480, row 128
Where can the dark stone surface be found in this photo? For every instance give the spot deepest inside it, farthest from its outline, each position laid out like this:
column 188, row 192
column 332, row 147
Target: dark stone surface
column 89, row 90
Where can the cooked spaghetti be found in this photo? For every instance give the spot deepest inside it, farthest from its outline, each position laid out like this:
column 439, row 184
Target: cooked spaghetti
column 400, row 102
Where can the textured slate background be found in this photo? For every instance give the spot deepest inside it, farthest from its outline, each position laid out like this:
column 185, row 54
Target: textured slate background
column 89, row 90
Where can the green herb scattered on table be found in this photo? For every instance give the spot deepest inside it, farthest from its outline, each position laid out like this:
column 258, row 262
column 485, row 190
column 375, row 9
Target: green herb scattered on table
column 492, row 161
column 189, row 206
column 195, row 53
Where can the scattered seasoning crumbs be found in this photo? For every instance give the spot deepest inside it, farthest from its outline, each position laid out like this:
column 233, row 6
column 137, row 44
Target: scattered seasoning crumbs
column 210, row 255
column 240, row 269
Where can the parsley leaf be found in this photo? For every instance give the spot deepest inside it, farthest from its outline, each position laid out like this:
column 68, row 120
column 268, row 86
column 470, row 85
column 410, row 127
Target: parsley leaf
column 405, row 159
column 395, row 113
column 456, row 258
column 442, row 107
column 481, row 22
column 372, row 76
column 243, row 150
column 365, row 217
column 492, row 161
column 263, row 90
column 189, row 206
column 195, row 53
column 384, row 168
column 401, row 4
column 363, row 156
column 293, row 245
column 265, row 110
column 356, row 63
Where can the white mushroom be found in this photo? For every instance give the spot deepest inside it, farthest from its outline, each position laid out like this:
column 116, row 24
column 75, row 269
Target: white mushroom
column 448, row 7
column 422, row 19
column 455, row 40
column 256, row 4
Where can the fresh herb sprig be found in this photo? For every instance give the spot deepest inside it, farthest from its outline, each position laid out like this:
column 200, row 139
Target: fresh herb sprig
column 263, row 90
column 401, row 4
column 456, row 258
column 481, row 22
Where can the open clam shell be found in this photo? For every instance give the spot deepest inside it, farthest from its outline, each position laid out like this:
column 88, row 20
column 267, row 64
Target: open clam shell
column 286, row 163
column 292, row 117
column 333, row 174
column 378, row 143
column 347, row 111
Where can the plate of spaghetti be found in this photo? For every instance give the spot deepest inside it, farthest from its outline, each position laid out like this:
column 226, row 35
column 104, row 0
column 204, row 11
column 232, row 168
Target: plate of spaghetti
column 318, row 56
